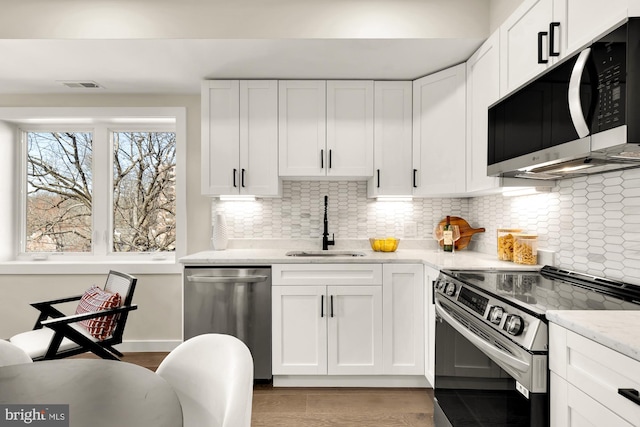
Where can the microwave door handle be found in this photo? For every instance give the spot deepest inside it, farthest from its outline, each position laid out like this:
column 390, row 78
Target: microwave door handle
column 575, row 106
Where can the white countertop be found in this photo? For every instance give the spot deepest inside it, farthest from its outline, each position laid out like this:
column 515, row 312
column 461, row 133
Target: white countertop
column 440, row 260
column 611, row 328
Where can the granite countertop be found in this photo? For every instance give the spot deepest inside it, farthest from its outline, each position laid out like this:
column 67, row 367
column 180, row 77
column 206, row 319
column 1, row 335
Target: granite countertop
column 257, row 254
column 611, row 328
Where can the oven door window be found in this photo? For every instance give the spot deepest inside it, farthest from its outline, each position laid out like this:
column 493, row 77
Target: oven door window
column 471, row 390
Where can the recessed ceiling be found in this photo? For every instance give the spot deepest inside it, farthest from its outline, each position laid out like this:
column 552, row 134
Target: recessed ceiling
column 177, row 66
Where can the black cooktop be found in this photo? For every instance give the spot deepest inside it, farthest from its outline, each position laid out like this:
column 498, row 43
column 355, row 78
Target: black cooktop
column 552, row 289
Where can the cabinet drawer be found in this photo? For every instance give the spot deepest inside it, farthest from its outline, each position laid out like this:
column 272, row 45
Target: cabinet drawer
column 596, row 370
column 326, row 274
column 571, row 407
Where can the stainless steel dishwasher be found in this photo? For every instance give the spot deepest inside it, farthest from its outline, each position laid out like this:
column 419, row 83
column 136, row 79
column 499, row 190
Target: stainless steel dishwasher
column 234, row 301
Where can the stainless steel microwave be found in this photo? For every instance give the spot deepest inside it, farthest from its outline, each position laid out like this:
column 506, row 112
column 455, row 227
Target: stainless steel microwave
column 580, row 117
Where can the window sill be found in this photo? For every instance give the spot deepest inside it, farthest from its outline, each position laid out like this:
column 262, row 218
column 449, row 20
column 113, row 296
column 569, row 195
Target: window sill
column 93, row 267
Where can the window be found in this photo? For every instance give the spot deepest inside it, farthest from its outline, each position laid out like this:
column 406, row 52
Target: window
column 144, row 196
column 103, row 190
column 59, row 196
column 63, row 209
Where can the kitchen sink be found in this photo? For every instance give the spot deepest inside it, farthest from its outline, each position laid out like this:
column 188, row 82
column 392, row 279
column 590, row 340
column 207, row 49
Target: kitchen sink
column 325, row 253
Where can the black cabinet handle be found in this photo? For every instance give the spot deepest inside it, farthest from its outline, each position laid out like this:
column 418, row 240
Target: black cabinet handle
column 235, row 172
column 321, row 159
column 631, row 394
column 321, row 305
column 541, row 36
column 242, row 179
column 552, row 38
column 415, row 171
column 329, row 159
column 331, row 305
column 378, row 171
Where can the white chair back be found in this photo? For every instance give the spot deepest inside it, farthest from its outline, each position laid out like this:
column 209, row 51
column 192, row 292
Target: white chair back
column 212, row 375
column 12, row 355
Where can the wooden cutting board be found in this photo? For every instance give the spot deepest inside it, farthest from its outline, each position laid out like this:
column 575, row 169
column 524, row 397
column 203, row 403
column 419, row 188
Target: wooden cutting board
column 466, row 232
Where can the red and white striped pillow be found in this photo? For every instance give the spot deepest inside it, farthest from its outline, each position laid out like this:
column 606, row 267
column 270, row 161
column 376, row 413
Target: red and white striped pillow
column 95, row 299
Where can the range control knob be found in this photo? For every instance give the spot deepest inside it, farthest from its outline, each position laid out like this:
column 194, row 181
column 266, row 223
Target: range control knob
column 450, row 289
column 439, row 285
column 495, row 314
column 514, row 324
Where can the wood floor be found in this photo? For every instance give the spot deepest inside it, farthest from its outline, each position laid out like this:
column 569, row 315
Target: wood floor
column 327, row 407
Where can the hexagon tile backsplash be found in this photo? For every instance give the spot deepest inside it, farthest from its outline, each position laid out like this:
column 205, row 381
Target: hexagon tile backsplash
column 592, row 222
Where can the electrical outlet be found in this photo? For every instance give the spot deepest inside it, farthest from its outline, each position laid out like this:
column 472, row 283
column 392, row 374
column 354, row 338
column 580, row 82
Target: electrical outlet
column 410, row 229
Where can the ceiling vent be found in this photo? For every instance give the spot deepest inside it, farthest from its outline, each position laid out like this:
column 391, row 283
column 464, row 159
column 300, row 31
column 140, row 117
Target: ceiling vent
column 87, row 84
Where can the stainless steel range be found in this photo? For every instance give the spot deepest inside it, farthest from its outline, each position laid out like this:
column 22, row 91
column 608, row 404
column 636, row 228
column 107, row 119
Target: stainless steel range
column 492, row 340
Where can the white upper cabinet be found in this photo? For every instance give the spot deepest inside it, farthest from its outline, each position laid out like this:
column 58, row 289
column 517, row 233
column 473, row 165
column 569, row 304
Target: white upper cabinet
column 350, row 128
column 392, row 175
column 439, row 141
column 483, row 89
column 240, row 137
column 585, row 20
column 525, row 43
column 302, row 124
column 326, row 128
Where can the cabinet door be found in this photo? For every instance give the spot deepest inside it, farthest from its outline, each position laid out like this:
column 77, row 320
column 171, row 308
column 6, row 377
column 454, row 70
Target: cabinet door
column 350, row 128
column 570, row 407
column 519, row 43
column 259, row 137
column 439, row 136
column 355, row 330
column 220, row 138
column 586, row 20
column 302, row 127
column 392, row 175
column 483, row 89
column 430, row 275
column 403, row 313
column 299, row 330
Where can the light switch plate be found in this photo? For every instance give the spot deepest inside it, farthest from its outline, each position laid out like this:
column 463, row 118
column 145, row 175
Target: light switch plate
column 410, row 229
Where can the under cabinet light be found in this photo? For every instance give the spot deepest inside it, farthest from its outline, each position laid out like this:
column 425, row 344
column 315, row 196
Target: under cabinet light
column 525, row 191
column 231, row 198
column 394, row 198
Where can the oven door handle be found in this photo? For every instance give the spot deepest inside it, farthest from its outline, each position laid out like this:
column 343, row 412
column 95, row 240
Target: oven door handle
column 487, row 348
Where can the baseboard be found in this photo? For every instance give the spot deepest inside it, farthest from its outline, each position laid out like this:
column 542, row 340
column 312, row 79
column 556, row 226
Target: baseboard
column 144, row 346
column 402, row 381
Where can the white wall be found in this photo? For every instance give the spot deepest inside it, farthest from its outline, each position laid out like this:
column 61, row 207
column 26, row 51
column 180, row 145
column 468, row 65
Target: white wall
column 9, row 151
column 499, row 10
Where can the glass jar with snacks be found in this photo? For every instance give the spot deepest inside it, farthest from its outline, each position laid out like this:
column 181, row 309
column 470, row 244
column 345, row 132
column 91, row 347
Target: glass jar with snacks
column 525, row 249
column 505, row 243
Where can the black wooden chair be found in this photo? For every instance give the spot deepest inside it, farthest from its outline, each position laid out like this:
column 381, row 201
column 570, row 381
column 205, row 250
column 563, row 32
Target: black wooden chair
column 56, row 335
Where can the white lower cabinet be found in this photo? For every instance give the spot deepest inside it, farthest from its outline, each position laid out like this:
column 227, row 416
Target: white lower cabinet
column 403, row 312
column 430, row 275
column 587, row 379
column 322, row 329
column 350, row 320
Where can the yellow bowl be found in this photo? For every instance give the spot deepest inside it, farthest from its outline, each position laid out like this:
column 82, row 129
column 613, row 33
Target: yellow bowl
column 388, row 244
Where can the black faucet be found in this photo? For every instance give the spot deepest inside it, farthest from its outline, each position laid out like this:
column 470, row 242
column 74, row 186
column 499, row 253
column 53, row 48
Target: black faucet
column 325, row 234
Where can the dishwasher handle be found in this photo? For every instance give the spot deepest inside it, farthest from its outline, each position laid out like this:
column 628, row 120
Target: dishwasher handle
column 227, row 279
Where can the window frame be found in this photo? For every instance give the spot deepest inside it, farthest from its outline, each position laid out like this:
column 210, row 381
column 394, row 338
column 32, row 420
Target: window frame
column 104, row 121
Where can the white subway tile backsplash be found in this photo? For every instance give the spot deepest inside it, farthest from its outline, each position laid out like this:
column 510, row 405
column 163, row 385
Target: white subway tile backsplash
column 592, row 223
